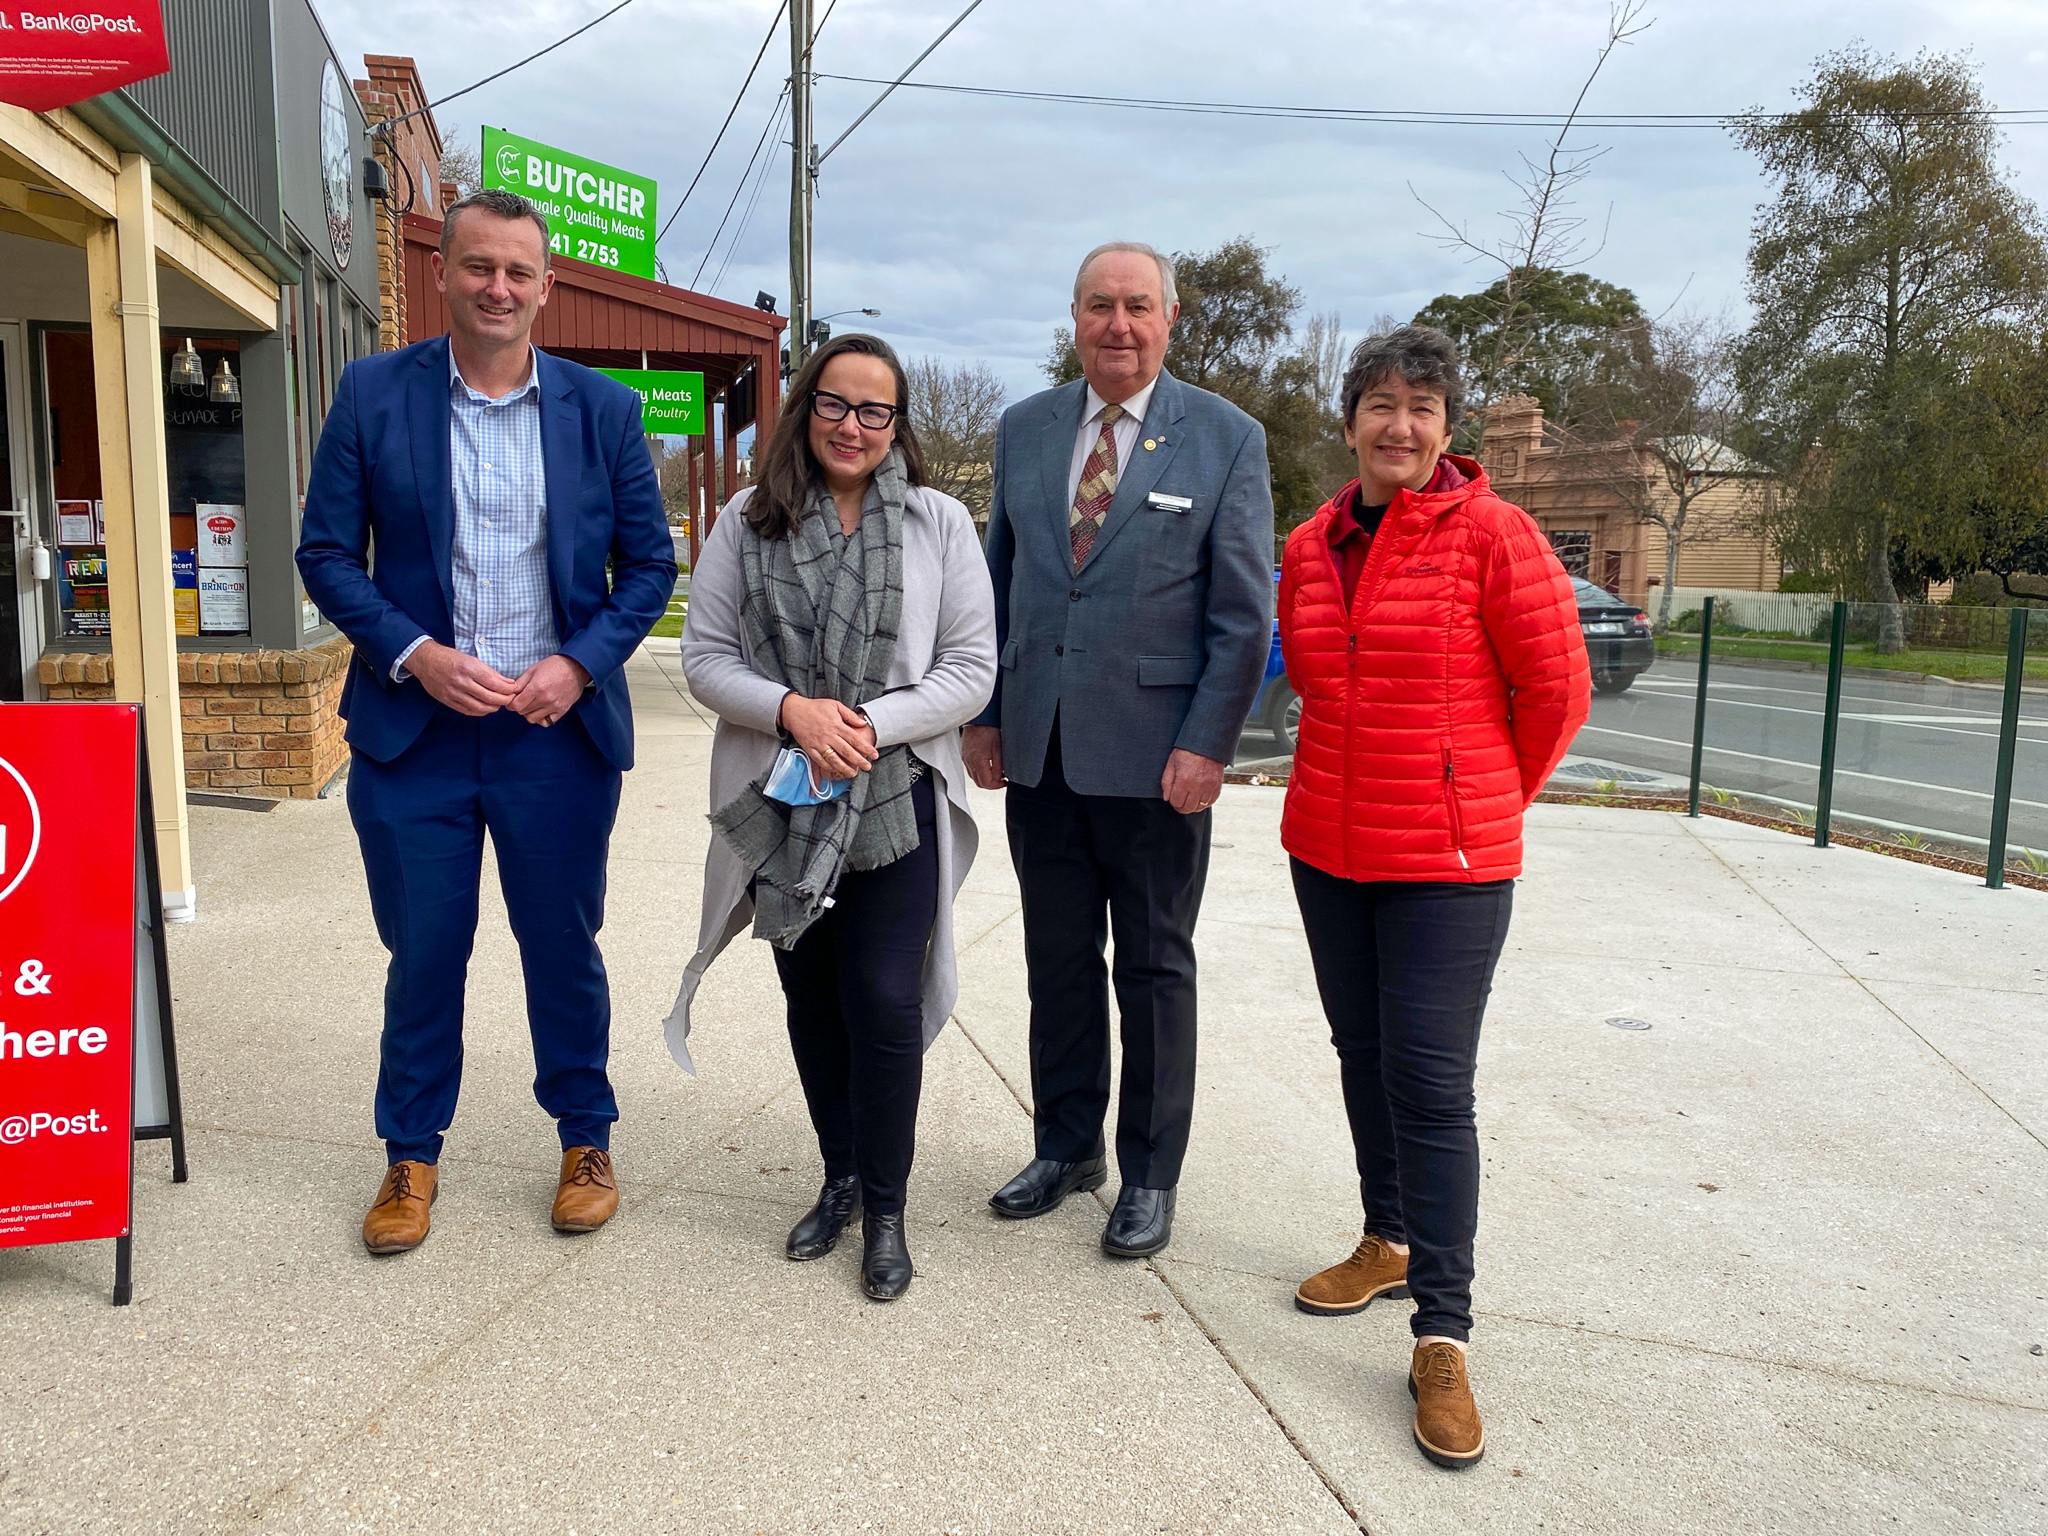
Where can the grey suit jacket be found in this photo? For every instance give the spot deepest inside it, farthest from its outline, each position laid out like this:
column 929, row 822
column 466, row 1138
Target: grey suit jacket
column 1161, row 639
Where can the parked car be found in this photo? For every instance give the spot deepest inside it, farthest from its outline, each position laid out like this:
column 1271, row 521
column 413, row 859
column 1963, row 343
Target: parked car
column 1618, row 639
column 1618, row 643
column 1278, row 707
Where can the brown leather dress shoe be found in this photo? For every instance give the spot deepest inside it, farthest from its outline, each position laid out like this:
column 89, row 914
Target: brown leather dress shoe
column 588, row 1192
column 398, row 1219
column 1371, row 1272
column 1447, row 1427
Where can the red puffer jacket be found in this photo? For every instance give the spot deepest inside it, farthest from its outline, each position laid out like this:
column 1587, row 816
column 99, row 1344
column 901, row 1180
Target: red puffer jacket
column 1436, row 708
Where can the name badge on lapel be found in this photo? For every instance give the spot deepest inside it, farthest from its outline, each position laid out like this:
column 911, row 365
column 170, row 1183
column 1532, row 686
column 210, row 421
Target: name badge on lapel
column 1169, row 503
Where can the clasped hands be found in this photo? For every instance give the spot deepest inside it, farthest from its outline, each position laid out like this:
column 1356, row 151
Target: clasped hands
column 541, row 695
column 1191, row 782
column 839, row 741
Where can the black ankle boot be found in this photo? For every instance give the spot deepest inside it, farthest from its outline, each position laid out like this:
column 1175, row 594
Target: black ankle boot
column 818, row 1233
column 885, row 1268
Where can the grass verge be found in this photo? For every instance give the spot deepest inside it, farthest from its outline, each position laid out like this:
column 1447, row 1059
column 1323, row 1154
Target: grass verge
column 1976, row 666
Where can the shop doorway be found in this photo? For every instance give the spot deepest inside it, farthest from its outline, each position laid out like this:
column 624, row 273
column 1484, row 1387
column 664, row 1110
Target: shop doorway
column 20, row 620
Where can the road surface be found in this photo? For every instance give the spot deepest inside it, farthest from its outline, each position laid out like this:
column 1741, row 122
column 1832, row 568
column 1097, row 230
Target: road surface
column 1911, row 754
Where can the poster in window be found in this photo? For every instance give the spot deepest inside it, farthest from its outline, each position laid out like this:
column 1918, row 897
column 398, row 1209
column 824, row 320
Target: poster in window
column 223, row 534
column 185, row 591
column 223, row 599
column 74, row 523
column 99, row 523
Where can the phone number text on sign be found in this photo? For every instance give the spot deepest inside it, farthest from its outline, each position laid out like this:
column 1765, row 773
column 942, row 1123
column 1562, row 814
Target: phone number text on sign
column 584, row 250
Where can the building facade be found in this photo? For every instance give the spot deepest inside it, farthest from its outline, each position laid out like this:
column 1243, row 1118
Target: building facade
column 1588, row 500
column 161, row 416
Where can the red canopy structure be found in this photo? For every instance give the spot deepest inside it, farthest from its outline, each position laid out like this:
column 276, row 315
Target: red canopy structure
column 607, row 319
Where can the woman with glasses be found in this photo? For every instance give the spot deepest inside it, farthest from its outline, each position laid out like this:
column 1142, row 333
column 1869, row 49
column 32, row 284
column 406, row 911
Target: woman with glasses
column 842, row 608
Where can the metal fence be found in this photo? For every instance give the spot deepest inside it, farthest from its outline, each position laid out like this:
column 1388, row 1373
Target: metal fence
column 1925, row 727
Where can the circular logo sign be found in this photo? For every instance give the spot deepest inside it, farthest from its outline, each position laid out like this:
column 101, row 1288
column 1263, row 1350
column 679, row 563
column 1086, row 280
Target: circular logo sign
column 508, row 164
column 337, row 164
column 21, row 828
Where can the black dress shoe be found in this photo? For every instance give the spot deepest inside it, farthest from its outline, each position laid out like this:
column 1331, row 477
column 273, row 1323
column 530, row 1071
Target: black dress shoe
column 818, row 1233
column 1044, row 1184
column 1141, row 1224
column 885, row 1268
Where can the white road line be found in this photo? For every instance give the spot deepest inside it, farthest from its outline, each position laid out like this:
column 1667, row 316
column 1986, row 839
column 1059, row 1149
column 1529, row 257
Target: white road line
column 1840, row 773
column 1949, row 723
column 1677, row 686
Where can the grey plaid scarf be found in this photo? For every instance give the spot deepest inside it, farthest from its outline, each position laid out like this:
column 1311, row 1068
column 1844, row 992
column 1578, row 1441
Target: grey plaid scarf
column 820, row 615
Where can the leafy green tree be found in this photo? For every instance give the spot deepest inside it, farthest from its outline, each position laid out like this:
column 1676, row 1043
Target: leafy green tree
column 1988, row 494
column 1890, row 252
column 1236, row 336
column 1536, row 331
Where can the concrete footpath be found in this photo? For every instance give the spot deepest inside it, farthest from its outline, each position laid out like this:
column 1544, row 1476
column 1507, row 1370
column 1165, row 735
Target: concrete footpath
column 1775, row 1263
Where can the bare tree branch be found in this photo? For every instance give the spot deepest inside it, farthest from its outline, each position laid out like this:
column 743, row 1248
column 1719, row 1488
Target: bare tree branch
column 955, row 409
column 1655, row 437
column 1541, row 233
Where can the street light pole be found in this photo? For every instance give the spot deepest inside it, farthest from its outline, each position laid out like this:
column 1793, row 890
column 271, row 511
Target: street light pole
column 803, row 171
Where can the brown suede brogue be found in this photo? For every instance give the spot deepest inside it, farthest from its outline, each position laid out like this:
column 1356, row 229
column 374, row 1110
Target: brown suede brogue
column 1447, row 1427
column 398, row 1219
column 587, row 1193
column 1373, row 1270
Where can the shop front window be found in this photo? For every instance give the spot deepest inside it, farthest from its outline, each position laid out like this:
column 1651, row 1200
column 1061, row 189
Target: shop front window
column 209, row 499
column 295, row 393
column 204, row 463
column 80, row 532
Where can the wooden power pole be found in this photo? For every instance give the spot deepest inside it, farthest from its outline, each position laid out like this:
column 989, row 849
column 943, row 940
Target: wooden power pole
column 803, row 174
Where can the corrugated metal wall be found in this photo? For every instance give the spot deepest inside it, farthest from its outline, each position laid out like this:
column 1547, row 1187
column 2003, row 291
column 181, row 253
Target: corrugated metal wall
column 215, row 102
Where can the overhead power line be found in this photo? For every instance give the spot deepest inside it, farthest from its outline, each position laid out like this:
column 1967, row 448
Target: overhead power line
column 391, row 123
column 973, row 6
column 2011, row 117
column 740, row 230
column 760, row 53
column 767, row 128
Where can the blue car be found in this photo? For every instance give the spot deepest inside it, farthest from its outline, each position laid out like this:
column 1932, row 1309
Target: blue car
column 1278, row 707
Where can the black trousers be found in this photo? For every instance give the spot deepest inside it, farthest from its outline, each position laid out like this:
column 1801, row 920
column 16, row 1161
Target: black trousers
column 1404, row 968
column 854, row 984
column 1092, row 866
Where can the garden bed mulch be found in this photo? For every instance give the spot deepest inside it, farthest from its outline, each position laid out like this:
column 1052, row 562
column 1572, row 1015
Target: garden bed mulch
column 1939, row 855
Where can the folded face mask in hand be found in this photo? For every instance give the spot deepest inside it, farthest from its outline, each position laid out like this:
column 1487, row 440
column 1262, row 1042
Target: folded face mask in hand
column 793, row 783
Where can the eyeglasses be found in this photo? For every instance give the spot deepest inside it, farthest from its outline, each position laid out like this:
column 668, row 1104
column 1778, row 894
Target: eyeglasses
column 872, row 414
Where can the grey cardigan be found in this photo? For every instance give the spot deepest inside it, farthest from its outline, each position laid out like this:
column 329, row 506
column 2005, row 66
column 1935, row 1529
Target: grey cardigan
column 944, row 670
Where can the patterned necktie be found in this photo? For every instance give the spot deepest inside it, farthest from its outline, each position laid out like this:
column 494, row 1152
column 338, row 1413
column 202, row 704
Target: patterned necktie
column 1098, row 486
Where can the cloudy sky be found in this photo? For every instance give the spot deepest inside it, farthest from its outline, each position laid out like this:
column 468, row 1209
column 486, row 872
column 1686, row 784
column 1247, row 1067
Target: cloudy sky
column 961, row 218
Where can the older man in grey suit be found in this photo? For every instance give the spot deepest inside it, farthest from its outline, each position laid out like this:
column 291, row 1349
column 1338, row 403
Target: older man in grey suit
column 1130, row 539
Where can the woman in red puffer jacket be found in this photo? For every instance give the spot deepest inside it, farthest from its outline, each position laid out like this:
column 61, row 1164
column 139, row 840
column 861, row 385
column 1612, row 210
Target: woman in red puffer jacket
column 1434, row 640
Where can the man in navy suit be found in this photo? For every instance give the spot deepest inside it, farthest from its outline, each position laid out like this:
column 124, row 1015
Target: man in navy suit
column 521, row 554
column 1130, row 538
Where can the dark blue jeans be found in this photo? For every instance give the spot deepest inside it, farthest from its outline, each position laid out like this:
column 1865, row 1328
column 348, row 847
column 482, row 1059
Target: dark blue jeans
column 548, row 800
column 1404, row 969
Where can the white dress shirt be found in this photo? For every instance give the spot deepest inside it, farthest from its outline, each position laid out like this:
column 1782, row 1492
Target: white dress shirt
column 1125, row 431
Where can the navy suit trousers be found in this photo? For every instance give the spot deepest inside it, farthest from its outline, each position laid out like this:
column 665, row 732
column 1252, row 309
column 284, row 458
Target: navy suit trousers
column 548, row 800
column 1090, row 866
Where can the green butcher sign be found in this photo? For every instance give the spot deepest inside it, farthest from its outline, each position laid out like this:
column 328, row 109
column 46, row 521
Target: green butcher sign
column 672, row 402
column 598, row 213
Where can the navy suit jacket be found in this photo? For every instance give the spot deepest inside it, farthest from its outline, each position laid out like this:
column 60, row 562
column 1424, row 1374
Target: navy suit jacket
column 1161, row 640
column 383, row 480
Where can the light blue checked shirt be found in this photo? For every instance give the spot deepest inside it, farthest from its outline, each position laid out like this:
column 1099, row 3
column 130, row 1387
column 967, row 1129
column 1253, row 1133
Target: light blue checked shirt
column 503, row 615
